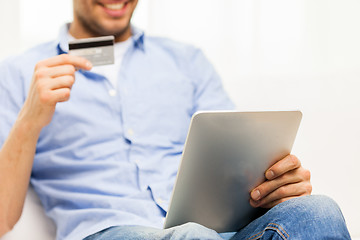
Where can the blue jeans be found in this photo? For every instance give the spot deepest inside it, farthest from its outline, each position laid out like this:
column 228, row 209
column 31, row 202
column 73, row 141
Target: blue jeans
column 310, row 217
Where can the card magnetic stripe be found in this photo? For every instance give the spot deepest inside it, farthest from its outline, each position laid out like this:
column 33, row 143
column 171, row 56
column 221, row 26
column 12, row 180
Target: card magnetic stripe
column 73, row 46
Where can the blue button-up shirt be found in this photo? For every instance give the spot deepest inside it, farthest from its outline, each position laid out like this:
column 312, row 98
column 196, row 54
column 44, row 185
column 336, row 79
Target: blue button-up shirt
column 111, row 159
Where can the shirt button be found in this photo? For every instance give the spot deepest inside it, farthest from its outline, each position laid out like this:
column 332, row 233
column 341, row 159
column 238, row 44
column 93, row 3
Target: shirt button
column 130, row 132
column 112, row 92
column 159, row 200
column 137, row 161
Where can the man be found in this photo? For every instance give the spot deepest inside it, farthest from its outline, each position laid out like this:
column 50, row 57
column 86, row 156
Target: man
column 104, row 162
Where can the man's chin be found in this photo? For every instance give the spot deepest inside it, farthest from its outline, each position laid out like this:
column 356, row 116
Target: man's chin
column 120, row 31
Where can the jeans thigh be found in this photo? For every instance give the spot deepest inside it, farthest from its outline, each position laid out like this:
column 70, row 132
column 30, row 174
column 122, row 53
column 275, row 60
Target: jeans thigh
column 185, row 231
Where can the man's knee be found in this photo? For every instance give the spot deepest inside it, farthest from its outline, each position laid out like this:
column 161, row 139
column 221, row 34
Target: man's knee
column 313, row 207
column 194, row 231
column 316, row 213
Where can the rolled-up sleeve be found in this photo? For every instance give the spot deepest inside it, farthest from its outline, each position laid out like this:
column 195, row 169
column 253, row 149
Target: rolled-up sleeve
column 209, row 91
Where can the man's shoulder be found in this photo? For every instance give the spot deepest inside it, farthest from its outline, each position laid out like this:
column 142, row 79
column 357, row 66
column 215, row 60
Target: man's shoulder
column 30, row 57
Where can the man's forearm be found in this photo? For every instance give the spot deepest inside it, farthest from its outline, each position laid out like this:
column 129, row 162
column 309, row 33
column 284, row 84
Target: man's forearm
column 51, row 83
column 16, row 160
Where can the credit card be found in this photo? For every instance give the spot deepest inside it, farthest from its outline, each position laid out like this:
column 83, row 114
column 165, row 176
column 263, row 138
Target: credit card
column 99, row 51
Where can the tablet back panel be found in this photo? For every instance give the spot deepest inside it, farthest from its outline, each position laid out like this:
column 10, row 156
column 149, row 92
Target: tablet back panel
column 226, row 155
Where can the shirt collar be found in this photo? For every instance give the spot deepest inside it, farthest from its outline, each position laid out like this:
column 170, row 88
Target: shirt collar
column 138, row 37
column 63, row 47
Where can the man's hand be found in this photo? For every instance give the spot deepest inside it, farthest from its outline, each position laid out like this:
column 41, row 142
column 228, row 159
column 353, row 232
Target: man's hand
column 51, row 83
column 286, row 179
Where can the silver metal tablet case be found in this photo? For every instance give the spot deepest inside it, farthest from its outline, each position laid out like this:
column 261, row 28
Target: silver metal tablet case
column 226, row 155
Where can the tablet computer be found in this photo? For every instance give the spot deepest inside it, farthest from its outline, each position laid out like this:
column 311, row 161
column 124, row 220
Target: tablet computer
column 225, row 156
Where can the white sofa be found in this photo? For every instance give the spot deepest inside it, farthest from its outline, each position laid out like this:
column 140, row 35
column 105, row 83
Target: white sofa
column 33, row 224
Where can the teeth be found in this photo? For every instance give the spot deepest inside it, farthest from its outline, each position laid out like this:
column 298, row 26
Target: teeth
column 115, row 6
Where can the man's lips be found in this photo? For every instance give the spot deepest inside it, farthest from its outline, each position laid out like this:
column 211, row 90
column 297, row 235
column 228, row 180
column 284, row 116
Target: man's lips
column 115, row 9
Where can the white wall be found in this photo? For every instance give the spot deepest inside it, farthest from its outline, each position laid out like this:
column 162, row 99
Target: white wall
column 9, row 26
column 272, row 55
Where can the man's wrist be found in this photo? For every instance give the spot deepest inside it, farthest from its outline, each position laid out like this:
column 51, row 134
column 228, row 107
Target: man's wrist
column 27, row 126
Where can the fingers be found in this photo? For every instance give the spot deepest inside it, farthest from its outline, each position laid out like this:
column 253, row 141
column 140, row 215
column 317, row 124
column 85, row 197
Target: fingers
column 64, row 59
column 267, row 187
column 283, row 193
column 61, row 94
column 52, row 82
column 50, row 98
column 55, row 73
column 276, row 202
column 49, row 79
column 285, row 179
column 61, row 70
column 286, row 164
column 66, row 81
column 58, row 72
